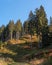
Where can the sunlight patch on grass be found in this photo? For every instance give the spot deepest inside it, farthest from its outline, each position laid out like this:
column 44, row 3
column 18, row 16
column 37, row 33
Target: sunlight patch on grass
column 5, row 50
column 3, row 62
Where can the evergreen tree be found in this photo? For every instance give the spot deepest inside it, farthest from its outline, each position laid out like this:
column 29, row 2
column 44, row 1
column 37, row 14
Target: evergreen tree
column 18, row 28
column 50, row 20
column 11, row 28
column 31, row 23
column 32, row 26
column 30, row 14
column 42, row 26
column 25, row 27
column 42, row 19
column 1, row 32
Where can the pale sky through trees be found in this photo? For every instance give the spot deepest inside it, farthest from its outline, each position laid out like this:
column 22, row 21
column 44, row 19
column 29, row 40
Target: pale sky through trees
column 19, row 9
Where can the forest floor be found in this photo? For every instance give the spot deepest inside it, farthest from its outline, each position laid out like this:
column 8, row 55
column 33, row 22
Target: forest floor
column 20, row 52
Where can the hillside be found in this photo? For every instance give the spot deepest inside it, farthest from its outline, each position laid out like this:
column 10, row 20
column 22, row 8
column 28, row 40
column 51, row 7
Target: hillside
column 22, row 52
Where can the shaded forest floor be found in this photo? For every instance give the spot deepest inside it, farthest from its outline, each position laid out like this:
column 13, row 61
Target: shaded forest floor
column 24, row 54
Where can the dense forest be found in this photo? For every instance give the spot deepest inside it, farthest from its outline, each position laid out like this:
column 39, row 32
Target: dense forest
column 37, row 23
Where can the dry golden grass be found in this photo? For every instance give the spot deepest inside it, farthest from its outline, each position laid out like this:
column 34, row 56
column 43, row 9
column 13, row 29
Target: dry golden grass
column 15, row 41
column 34, row 38
column 25, row 39
column 26, row 47
column 3, row 62
column 5, row 50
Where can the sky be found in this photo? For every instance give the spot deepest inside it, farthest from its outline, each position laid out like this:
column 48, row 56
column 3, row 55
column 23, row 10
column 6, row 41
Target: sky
column 19, row 9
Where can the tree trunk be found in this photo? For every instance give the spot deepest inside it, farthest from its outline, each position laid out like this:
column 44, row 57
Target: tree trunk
column 40, row 40
column 11, row 35
column 31, row 41
column 17, row 35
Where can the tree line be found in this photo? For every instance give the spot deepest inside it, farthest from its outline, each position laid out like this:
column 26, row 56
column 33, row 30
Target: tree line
column 37, row 22
column 11, row 30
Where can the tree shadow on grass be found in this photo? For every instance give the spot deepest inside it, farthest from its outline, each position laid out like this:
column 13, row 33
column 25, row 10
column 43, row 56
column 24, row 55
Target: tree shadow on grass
column 20, row 51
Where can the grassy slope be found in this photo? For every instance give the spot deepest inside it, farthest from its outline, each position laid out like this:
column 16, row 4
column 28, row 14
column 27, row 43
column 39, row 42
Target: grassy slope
column 18, row 50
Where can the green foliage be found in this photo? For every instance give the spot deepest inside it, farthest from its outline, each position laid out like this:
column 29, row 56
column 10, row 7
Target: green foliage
column 31, row 14
column 42, row 26
column 1, row 32
column 32, row 23
column 18, row 26
column 2, row 28
column 31, row 27
column 50, row 20
column 25, row 27
column 11, row 27
column 42, row 19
